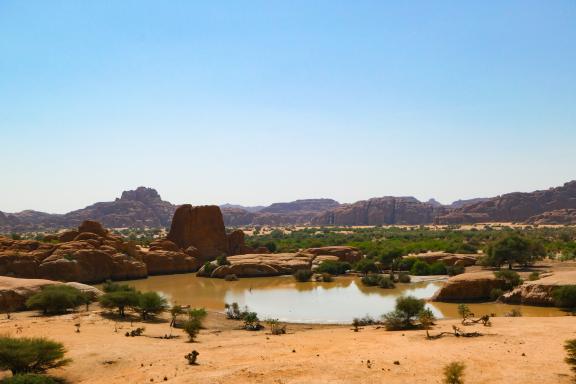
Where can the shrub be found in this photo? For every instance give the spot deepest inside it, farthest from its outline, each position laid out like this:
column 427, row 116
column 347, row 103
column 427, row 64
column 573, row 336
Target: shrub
column 30, row 379
column 326, row 278
column 406, row 263
column 420, row 268
column 110, row 286
column 454, row 373
column 570, row 347
column 120, row 299
column 534, row 276
column 438, row 268
column 371, row 280
column 30, row 355
column 233, row 311
column 333, row 267
column 394, row 321
column 197, row 313
column 426, row 318
column 56, row 299
column 407, row 308
column 565, row 296
column 231, row 277
column 511, row 278
column 454, row 270
column 495, row 293
column 464, row 311
column 251, row 321
column 303, row 275
column 366, row 266
column 276, row 328
column 271, row 246
column 386, row 282
column 150, row 303
column 222, row 260
column 208, row 268
column 175, row 311
column 192, row 328
column 404, row 278
column 366, row 320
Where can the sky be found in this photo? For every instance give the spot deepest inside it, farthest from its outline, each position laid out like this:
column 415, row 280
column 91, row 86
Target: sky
column 254, row 102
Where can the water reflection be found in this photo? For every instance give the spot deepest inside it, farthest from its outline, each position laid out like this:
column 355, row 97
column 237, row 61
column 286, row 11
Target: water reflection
column 283, row 298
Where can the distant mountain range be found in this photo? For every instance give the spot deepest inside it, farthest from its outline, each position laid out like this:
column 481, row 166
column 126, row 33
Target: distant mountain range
column 144, row 207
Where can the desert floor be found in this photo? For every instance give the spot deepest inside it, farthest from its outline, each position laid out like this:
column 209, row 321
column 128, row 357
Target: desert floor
column 514, row 350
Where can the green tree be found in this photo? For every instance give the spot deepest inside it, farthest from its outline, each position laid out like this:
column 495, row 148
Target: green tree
column 30, row 355
column 513, row 249
column 55, row 299
column 121, row 300
column 150, row 303
column 192, row 328
column 366, row 266
column 426, row 318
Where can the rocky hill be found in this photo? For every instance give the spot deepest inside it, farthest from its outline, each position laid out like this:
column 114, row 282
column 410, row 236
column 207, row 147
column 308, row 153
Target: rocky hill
column 516, row 207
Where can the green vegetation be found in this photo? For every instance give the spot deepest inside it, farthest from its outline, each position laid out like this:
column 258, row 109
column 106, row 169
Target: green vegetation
column 303, row 275
column 464, row 312
column 407, row 308
column 30, row 355
column 119, row 296
column 534, row 276
column 454, row 373
column 222, row 260
column 150, row 303
column 233, row 311
column 333, row 267
column 372, row 280
column 209, row 268
column 513, row 249
column 366, row 266
column 422, row 268
column 55, row 299
column 565, row 296
column 404, row 278
column 426, row 319
column 192, row 328
column 251, row 321
column 570, row 347
column 511, row 278
column 30, row 378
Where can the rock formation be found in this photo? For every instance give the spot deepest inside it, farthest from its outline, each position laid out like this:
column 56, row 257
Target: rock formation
column 539, row 292
column 469, row 287
column 459, row 259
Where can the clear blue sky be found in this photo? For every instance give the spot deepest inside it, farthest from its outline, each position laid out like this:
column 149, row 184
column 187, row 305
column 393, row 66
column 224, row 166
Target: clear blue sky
column 254, row 102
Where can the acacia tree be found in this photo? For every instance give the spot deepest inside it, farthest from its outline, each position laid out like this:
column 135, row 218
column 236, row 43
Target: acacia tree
column 513, row 249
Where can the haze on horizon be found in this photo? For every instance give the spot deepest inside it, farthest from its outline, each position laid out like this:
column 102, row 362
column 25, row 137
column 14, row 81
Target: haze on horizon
column 259, row 102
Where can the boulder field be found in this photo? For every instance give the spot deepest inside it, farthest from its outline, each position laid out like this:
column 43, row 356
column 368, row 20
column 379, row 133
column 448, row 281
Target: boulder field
column 261, row 265
column 92, row 254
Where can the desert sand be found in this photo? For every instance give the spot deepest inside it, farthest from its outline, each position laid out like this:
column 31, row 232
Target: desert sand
column 514, row 350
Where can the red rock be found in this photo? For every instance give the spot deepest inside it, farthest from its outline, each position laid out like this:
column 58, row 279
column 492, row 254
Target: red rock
column 167, row 262
column 344, row 253
column 92, row 227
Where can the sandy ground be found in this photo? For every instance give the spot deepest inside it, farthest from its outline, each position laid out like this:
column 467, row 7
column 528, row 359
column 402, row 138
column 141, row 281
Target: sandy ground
column 513, row 350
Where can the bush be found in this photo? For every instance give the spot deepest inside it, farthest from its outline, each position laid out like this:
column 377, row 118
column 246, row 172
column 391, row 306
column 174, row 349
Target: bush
column 30, row 355
column 120, row 299
column 404, row 278
column 303, row 275
column 420, row 268
column 454, row 373
column 361, row 321
column 407, row 308
column 326, row 278
column 534, row 276
column 406, row 263
column 110, row 286
column 386, row 282
column 464, row 311
column 56, row 299
column 333, row 267
column 192, row 328
column 511, row 278
column 495, row 293
column 565, row 296
column 394, row 321
column 197, row 313
column 251, row 321
column 454, row 270
column 30, row 379
column 208, row 268
column 233, row 311
column 426, row 319
column 570, row 347
column 438, row 268
column 150, row 303
column 366, row 266
column 371, row 280
column 276, row 328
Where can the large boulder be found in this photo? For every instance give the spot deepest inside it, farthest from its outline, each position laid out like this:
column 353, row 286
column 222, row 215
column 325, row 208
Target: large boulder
column 14, row 292
column 245, row 270
column 84, row 265
column 256, row 265
column 160, row 262
column 344, row 253
column 236, row 242
column 469, row 287
column 539, row 292
column 92, row 227
column 201, row 227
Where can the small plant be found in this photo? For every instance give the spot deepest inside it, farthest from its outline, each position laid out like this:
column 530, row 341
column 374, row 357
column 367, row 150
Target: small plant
column 534, row 276
column 197, row 313
column 333, row 267
column 251, row 321
column 192, row 328
column 303, row 275
column 454, row 373
column 371, row 280
column 464, row 312
column 386, row 282
column 54, row 299
column 565, row 296
column 233, row 311
column 30, row 355
column 454, row 270
column 570, row 347
column 276, row 328
column 438, row 268
column 514, row 313
column 222, row 260
column 394, row 321
column 191, row 357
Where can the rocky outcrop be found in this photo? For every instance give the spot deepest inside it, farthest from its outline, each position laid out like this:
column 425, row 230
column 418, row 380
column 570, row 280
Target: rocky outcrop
column 515, row 207
column 559, row 216
column 162, row 262
column 539, row 292
column 469, row 287
column 343, row 253
column 458, row 259
column 201, row 227
column 14, row 291
column 381, row 211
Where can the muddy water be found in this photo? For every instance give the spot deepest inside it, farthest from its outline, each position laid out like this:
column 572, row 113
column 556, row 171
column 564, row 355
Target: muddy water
column 283, row 298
